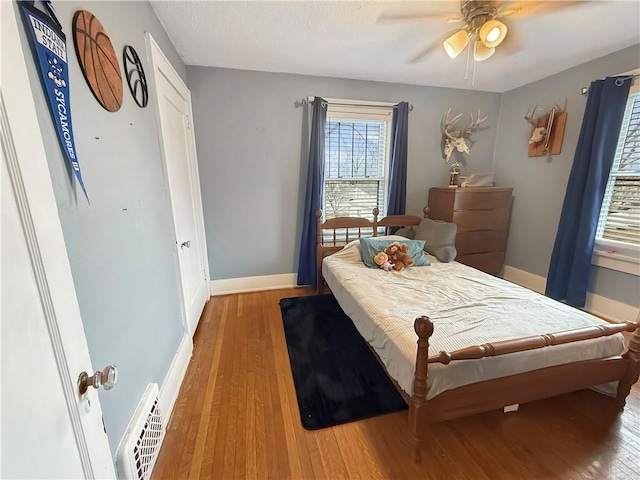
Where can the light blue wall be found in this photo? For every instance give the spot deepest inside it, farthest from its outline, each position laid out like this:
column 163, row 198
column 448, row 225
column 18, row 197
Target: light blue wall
column 540, row 182
column 252, row 152
column 121, row 247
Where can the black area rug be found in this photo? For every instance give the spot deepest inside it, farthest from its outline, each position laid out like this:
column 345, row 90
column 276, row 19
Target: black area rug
column 337, row 377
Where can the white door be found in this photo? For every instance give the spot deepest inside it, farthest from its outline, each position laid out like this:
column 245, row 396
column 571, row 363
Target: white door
column 47, row 430
column 173, row 102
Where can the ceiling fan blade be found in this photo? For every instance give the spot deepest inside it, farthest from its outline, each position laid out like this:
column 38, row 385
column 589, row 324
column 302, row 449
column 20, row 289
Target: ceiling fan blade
column 420, row 18
column 454, row 19
column 425, row 52
column 522, row 9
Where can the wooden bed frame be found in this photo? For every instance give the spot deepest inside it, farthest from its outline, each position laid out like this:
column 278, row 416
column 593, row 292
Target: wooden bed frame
column 500, row 392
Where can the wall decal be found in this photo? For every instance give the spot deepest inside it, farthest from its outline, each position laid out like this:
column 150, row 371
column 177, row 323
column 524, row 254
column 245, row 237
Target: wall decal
column 50, row 47
column 98, row 60
column 135, row 76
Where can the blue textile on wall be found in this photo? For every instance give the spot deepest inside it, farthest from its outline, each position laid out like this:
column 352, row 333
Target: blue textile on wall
column 307, row 268
column 397, row 202
column 571, row 258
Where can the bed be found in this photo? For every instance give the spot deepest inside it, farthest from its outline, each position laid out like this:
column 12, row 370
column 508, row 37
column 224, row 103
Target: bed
column 496, row 344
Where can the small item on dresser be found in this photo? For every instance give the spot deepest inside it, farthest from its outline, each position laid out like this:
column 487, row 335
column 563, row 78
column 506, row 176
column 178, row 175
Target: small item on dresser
column 478, row 180
column 454, row 174
column 453, row 179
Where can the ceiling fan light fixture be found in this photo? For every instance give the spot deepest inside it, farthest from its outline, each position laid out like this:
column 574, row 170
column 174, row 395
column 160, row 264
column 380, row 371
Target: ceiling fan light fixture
column 492, row 33
column 481, row 52
column 456, row 43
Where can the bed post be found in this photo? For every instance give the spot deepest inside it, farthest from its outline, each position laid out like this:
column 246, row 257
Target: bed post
column 424, row 328
column 375, row 213
column 319, row 279
column 632, row 356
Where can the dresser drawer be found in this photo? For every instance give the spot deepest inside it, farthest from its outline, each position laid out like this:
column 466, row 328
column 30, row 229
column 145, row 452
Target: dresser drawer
column 481, row 241
column 496, row 219
column 487, row 262
column 482, row 217
column 482, row 200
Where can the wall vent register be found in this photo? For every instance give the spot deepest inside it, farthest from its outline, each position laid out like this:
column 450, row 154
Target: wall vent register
column 140, row 445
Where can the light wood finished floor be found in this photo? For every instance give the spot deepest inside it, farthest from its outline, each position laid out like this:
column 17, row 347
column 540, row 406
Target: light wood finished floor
column 237, row 417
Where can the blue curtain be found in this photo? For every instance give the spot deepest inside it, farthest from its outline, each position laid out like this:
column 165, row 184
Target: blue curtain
column 398, row 163
column 571, row 258
column 307, row 268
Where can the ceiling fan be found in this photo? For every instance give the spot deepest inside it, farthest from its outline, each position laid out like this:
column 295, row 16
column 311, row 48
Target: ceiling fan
column 482, row 24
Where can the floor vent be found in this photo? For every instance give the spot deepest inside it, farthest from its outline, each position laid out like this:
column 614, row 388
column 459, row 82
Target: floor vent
column 140, row 446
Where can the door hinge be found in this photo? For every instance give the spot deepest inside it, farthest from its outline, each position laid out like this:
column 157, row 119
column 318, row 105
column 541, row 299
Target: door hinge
column 188, row 121
column 204, row 272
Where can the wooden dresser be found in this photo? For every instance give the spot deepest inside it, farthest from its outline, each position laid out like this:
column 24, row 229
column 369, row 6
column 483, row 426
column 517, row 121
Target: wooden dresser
column 482, row 217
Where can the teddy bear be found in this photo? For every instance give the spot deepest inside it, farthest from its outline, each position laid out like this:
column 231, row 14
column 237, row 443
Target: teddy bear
column 397, row 253
column 382, row 260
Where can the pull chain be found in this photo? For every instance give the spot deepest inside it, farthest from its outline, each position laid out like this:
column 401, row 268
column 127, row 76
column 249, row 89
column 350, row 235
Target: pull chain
column 473, row 79
column 466, row 71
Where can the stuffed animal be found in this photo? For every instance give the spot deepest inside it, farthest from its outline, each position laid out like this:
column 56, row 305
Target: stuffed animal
column 382, row 260
column 397, row 253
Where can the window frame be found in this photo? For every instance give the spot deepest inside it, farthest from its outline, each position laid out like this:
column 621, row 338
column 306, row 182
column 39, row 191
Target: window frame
column 612, row 254
column 353, row 111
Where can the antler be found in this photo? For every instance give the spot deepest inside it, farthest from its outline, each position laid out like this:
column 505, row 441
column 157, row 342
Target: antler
column 561, row 110
column 448, row 123
column 529, row 116
column 469, row 129
column 532, row 111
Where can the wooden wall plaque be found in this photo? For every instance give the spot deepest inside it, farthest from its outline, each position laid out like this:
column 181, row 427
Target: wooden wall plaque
column 554, row 145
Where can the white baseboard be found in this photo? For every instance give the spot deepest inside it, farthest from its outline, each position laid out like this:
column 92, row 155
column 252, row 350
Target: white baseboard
column 173, row 380
column 253, row 284
column 611, row 309
column 526, row 279
column 596, row 304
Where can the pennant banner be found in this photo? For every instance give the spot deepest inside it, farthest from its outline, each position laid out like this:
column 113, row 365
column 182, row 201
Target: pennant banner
column 51, row 49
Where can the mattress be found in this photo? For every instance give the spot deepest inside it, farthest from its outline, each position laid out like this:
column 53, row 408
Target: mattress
column 468, row 307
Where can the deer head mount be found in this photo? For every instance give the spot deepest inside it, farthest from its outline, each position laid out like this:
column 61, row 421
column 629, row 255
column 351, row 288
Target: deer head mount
column 456, row 138
column 547, row 126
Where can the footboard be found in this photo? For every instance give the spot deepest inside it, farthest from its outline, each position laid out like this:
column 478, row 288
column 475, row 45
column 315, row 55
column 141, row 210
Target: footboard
column 528, row 386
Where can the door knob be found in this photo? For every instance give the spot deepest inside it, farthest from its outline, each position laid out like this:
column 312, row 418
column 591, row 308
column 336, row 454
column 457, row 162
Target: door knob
column 105, row 378
column 186, row 244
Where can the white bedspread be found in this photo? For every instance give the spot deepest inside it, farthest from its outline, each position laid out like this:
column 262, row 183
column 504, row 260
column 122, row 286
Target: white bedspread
column 468, row 307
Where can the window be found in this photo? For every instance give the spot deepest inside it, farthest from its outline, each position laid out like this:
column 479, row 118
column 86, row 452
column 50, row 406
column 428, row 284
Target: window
column 618, row 233
column 356, row 162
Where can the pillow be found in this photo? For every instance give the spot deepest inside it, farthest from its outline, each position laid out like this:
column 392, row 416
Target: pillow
column 370, row 246
column 407, row 232
column 439, row 237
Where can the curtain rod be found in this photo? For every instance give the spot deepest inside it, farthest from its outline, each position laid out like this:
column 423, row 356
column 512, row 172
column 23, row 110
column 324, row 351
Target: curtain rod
column 619, row 82
column 304, row 101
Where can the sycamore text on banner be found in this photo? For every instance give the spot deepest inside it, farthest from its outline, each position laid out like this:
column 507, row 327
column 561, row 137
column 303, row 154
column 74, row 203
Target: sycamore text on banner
column 50, row 47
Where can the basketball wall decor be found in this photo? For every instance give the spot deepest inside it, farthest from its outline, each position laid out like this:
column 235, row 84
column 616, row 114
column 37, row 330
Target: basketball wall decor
column 98, row 60
column 135, row 76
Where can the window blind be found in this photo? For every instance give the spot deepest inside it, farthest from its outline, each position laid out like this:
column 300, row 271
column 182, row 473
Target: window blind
column 355, row 167
column 620, row 213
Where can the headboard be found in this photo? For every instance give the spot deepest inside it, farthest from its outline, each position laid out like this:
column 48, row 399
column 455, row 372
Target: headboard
column 347, row 229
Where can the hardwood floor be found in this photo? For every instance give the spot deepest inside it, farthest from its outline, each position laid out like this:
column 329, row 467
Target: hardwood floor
column 237, row 417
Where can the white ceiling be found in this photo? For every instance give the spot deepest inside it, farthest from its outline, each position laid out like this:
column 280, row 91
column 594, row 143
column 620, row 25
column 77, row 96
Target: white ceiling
column 353, row 40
